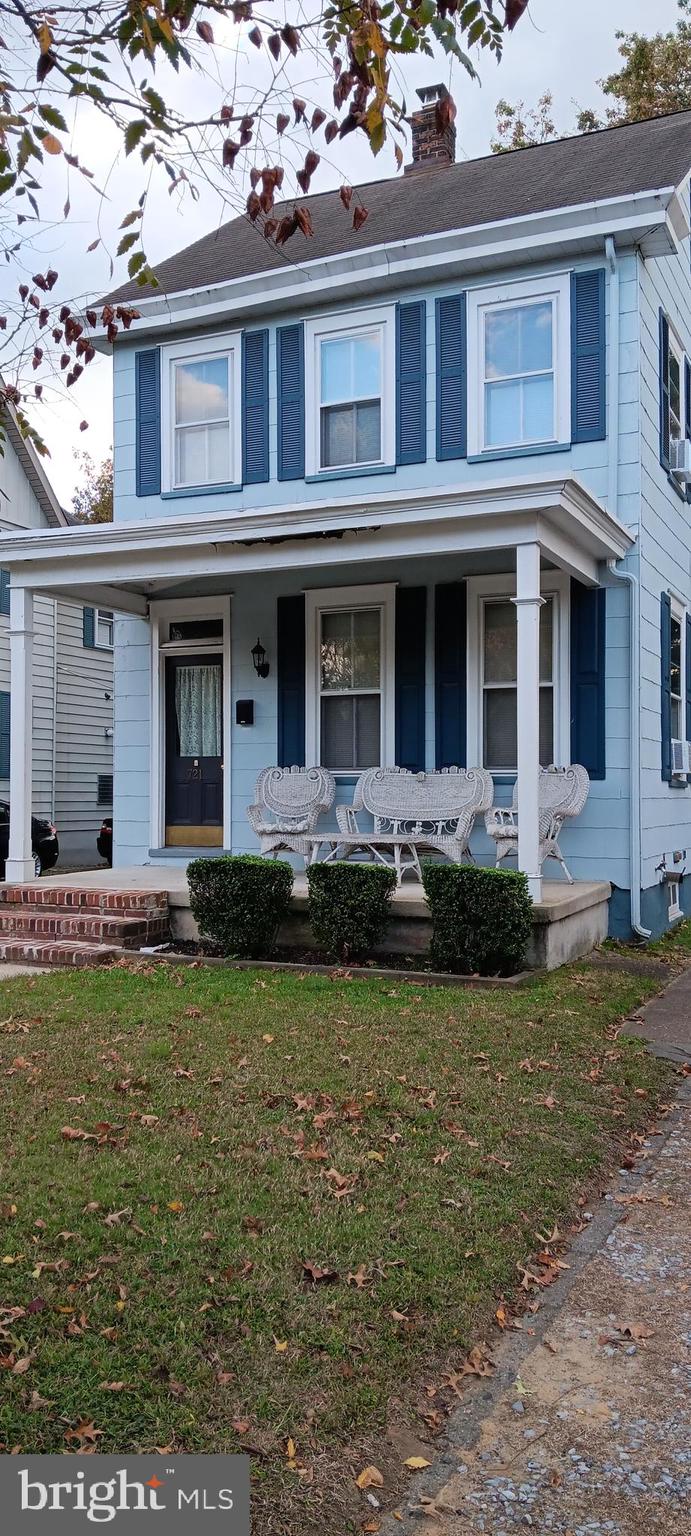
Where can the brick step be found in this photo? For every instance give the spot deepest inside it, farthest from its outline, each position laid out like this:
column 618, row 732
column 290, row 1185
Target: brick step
column 47, row 893
column 56, row 952
column 56, row 923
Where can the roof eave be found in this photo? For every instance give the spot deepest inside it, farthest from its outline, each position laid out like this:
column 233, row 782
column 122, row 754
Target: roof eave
column 654, row 220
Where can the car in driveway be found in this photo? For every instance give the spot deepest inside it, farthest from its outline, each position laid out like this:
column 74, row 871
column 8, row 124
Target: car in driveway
column 44, row 841
column 104, row 841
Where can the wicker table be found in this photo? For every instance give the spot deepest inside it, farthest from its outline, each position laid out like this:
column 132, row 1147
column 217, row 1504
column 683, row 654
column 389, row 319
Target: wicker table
column 377, row 844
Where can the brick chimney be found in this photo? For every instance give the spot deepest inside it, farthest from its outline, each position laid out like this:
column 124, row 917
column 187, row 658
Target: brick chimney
column 434, row 132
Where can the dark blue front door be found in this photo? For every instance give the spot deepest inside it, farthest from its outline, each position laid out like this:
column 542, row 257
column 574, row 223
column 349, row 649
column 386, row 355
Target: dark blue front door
column 194, row 751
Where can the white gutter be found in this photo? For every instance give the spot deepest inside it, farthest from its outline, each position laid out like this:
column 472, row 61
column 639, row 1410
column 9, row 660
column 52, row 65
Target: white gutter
column 634, row 600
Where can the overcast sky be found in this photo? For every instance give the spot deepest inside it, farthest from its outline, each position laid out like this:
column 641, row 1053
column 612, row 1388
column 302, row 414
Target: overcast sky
column 558, row 46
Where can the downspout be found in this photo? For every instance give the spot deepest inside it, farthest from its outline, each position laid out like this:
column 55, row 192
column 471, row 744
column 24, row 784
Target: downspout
column 632, row 582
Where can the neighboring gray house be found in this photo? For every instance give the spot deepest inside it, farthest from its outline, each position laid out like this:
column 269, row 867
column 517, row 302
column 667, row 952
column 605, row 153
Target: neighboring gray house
column 73, row 675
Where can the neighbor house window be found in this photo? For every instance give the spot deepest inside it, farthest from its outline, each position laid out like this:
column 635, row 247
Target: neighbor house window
column 200, row 404
column 350, row 693
column 500, row 684
column 103, row 629
column 349, row 386
column 518, row 356
column 104, row 789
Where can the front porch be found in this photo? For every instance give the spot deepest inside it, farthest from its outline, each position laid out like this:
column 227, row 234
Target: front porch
column 567, row 922
column 466, row 643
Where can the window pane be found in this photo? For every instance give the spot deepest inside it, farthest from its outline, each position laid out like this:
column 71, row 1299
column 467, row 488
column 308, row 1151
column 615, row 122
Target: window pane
column 501, row 343
column 338, row 436
column 546, row 623
column 368, row 433
column 674, row 385
column 218, row 468
column 190, row 456
column 502, row 414
column 677, row 733
column 538, row 409
column 366, row 640
column 199, row 711
column 201, row 390
column 535, row 337
column 350, row 732
column 366, row 369
column 335, row 370
column 500, row 643
column 546, row 726
column 501, row 745
column 675, row 669
column 336, row 651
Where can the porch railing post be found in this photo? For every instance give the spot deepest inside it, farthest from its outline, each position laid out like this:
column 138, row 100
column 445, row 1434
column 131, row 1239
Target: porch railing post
column 20, row 863
column 528, row 603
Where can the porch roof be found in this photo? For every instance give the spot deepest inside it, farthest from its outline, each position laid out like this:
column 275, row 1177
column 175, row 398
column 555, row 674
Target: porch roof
column 124, row 565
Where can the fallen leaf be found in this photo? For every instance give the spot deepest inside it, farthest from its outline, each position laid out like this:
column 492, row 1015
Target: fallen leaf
column 280, row 1345
column 370, row 1477
column 636, row 1331
column 175, row 1206
column 85, row 1432
column 317, row 1275
column 112, row 1386
column 416, row 1463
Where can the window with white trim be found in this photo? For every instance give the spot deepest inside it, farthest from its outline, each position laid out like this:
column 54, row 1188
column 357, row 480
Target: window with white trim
column 519, row 358
column 677, row 670
column 350, row 702
column 349, row 385
column 200, row 406
column 500, row 684
column 675, row 382
column 103, row 629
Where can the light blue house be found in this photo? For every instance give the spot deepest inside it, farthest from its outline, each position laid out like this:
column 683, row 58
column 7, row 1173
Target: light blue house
column 437, row 468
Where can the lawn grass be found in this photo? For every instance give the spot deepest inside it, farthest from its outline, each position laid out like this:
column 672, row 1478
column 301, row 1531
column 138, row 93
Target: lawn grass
column 412, row 1140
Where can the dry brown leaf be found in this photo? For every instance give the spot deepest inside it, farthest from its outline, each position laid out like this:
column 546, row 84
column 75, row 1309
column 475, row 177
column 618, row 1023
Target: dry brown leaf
column 370, row 1477
column 416, row 1463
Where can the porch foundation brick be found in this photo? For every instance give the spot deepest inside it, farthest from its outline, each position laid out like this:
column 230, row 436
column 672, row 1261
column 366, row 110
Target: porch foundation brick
column 56, row 925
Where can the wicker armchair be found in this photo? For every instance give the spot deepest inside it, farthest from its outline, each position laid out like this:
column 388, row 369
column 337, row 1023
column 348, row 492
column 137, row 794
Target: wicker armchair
column 436, row 810
column 288, row 804
column 562, row 794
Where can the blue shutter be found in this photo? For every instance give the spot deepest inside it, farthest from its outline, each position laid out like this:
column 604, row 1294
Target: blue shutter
column 4, row 735
column 588, row 418
column 450, row 645
column 255, row 407
column 666, row 684
column 89, row 628
column 411, row 383
column 588, row 624
column 411, row 604
column 290, row 652
column 290, row 368
column 688, row 677
column 147, row 377
column 451, row 371
column 664, row 390
column 4, row 592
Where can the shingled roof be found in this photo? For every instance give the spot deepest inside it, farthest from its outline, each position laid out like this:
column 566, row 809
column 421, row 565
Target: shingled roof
column 614, row 162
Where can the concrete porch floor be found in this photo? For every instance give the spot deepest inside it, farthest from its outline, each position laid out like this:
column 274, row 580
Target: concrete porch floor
column 567, row 923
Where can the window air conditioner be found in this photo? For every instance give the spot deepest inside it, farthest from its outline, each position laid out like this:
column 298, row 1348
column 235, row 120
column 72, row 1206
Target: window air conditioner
column 680, row 458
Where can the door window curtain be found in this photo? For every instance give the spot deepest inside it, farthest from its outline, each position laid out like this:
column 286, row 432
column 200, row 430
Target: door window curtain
column 199, row 711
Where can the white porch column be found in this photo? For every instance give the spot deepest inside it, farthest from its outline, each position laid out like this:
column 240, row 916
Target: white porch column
column 528, row 603
column 20, row 862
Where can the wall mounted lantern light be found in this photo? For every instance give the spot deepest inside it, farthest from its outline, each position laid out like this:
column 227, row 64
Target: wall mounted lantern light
column 261, row 665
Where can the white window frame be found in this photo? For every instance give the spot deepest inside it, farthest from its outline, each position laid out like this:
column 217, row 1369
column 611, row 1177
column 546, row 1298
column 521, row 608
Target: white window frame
column 351, row 323
column 678, row 611
column 201, row 349
column 676, row 349
column 105, row 616
column 335, row 599
column 486, row 589
column 555, row 289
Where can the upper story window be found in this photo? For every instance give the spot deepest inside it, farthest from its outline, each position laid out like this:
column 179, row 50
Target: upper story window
column 200, row 405
column 349, row 390
column 519, row 366
column 103, row 629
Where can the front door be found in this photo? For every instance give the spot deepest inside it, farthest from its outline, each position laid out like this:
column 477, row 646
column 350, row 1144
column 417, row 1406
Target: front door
column 194, row 751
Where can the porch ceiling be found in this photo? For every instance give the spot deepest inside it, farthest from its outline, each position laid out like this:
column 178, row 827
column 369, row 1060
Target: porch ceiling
column 123, row 565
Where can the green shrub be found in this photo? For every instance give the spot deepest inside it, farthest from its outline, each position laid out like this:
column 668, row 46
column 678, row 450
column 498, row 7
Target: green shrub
column 349, row 907
column 239, row 902
column 482, row 918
